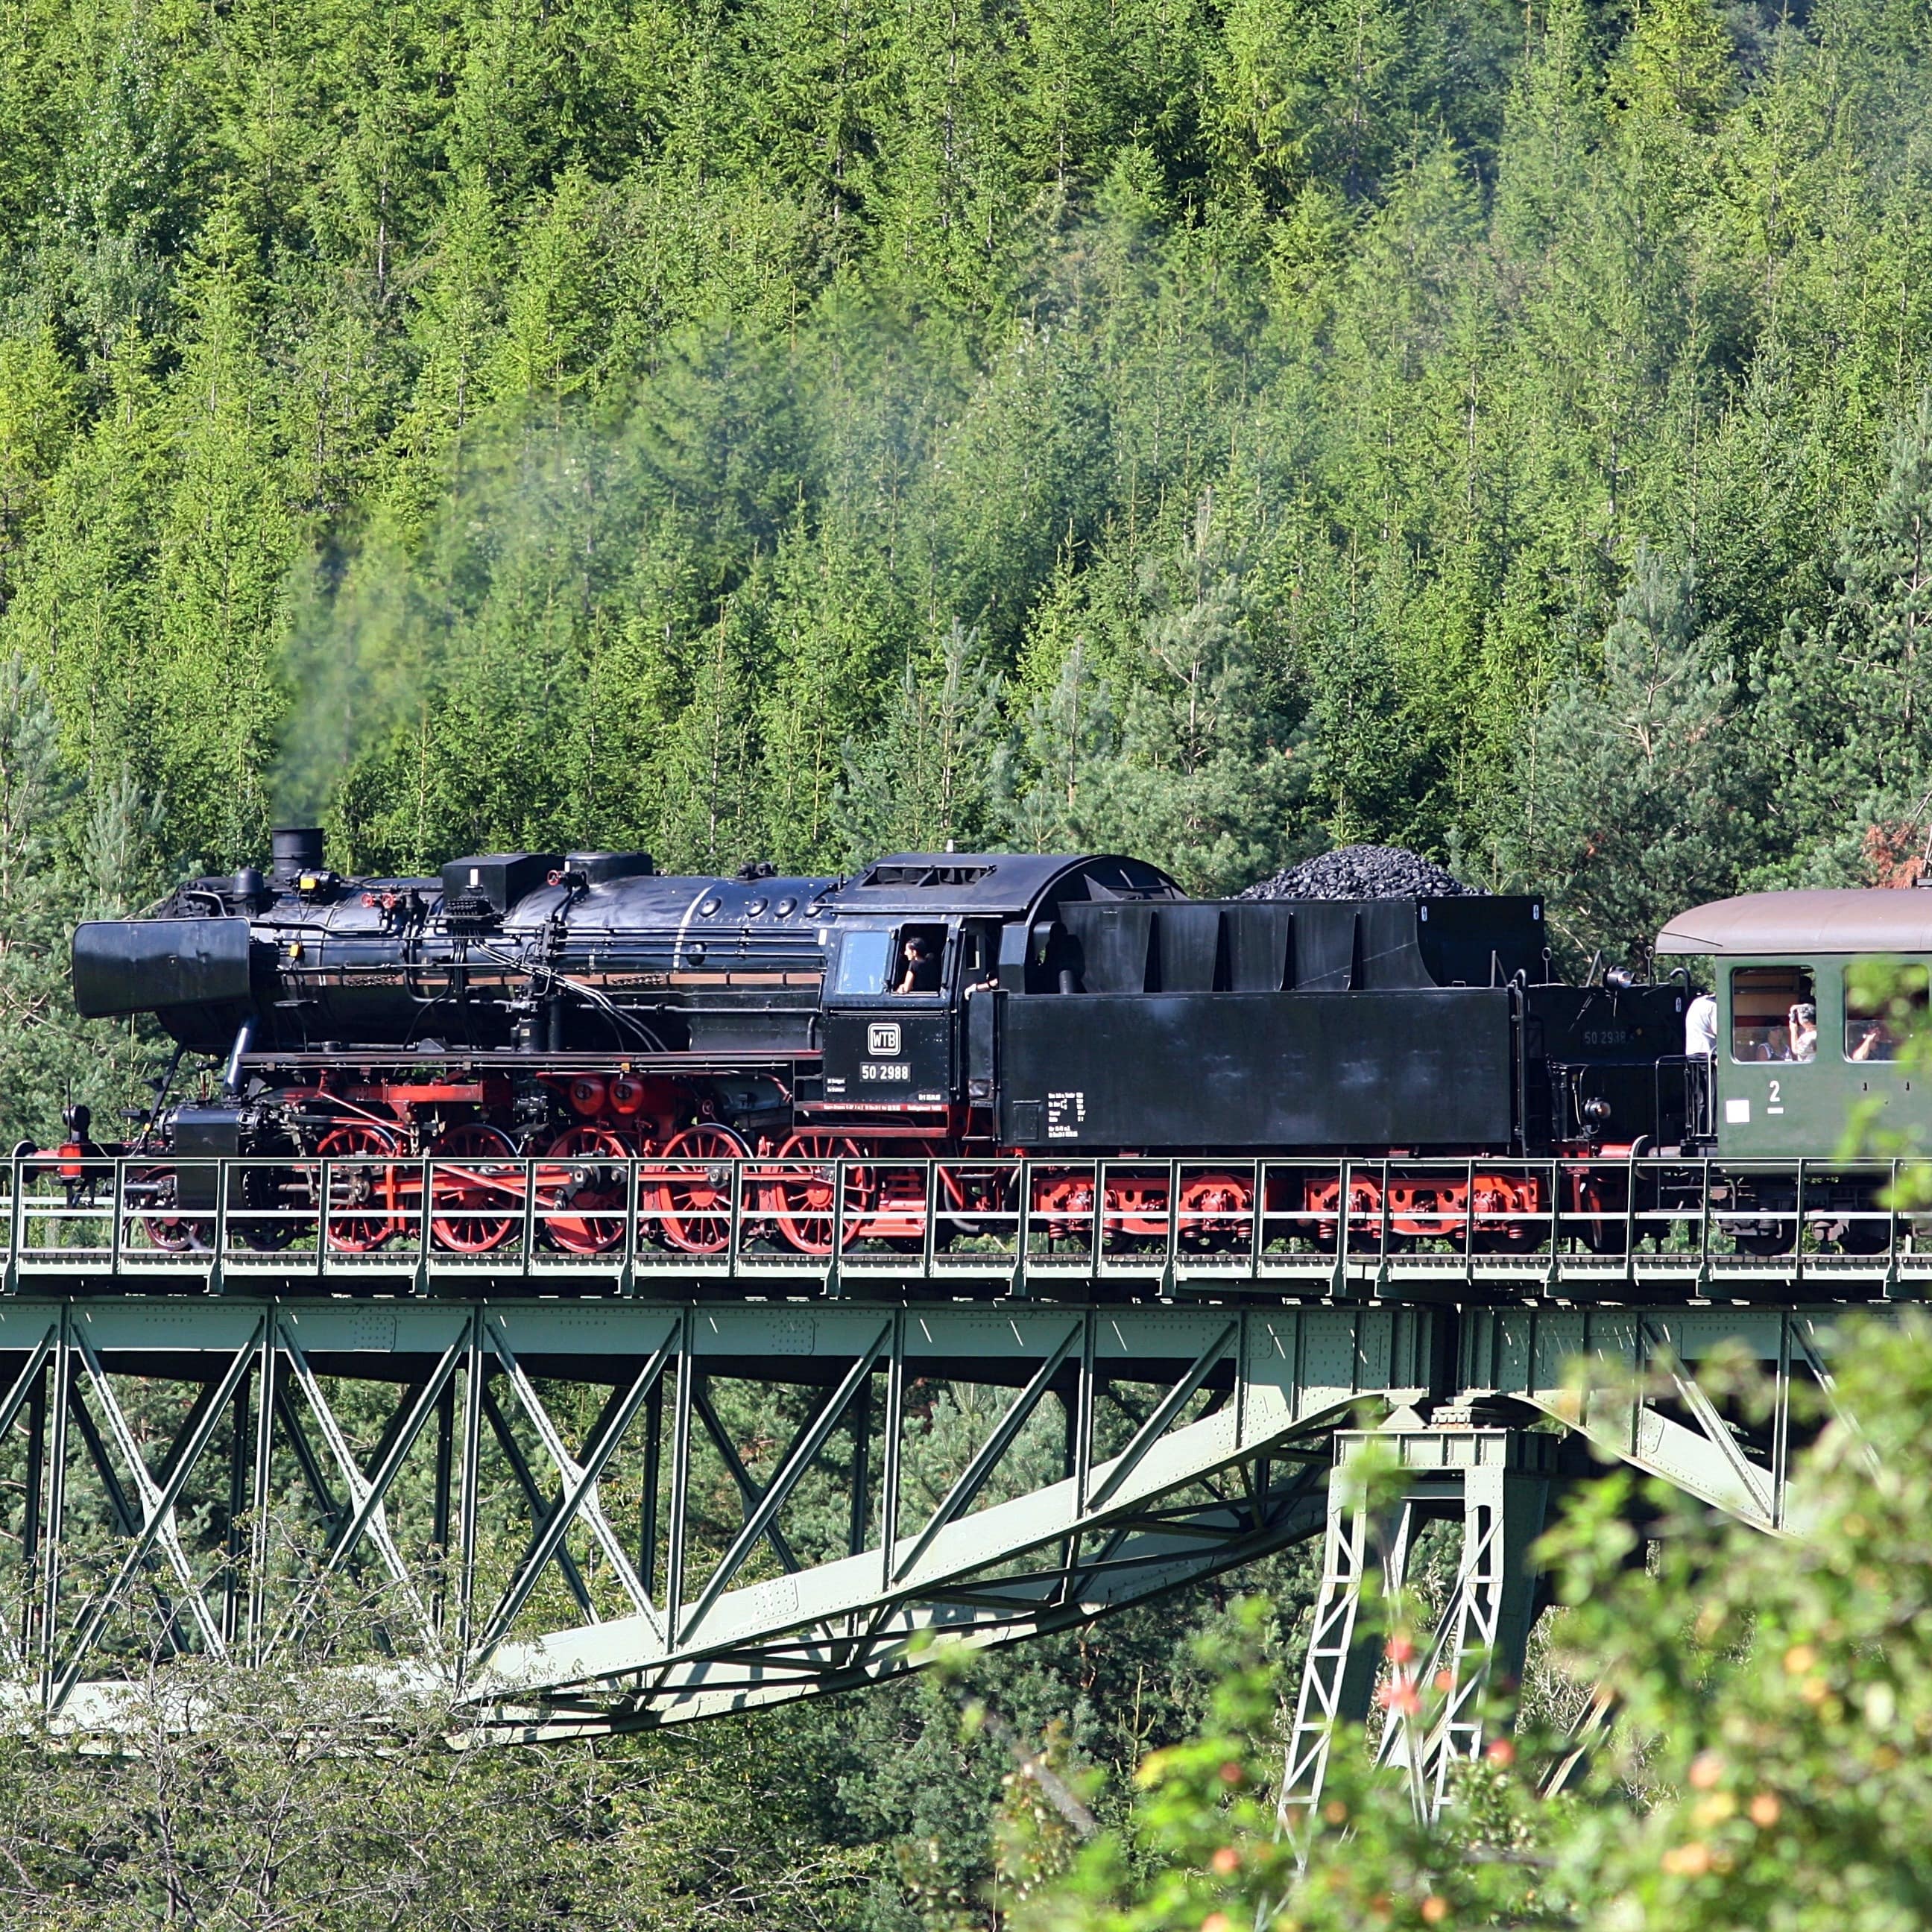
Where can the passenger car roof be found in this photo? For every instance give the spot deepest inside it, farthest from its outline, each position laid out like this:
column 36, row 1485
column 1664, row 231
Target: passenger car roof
column 1874, row 920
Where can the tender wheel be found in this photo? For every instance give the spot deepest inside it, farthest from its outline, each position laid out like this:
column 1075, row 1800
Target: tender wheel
column 588, row 1182
column 472, row 1210
column 364, row 1209
column 1217, row 1212
column 688, row 1206
column 1063, row 1205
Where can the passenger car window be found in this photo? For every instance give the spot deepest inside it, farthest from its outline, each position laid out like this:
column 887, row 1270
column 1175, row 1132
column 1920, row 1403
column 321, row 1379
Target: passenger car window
column 1774, row 1013
column 1875, row 1030
column 863, row 960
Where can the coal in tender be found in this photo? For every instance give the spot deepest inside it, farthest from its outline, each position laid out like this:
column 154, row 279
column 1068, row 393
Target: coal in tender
column 1363, row 872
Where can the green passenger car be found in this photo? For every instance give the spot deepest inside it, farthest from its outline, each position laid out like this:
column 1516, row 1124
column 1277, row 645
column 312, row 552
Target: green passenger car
column 1781, row 1090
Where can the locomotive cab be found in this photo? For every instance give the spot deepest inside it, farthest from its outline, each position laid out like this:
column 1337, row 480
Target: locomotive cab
column 923, row 947
column 890, row 1039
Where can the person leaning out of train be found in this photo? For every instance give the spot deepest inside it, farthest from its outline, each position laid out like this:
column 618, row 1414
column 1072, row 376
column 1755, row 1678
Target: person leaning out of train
column 920, row 973
column 1802, row 1031
column 1700, row 1027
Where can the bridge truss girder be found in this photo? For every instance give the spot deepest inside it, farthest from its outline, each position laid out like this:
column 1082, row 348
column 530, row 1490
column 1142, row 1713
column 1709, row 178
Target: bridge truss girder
column 538, row 1508
column 511, row 1495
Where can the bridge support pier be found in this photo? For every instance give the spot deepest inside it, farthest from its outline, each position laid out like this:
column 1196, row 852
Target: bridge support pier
column 1496, row 1482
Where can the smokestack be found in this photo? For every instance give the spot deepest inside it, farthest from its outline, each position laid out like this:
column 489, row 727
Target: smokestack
column 294, row 850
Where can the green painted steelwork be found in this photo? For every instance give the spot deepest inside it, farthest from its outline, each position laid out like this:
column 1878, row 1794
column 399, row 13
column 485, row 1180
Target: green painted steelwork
column 1616, row 1230
column 455, row 1465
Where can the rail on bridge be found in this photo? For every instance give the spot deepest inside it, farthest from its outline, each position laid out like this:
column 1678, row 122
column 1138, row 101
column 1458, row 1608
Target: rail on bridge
column 1414, row 1230
column 501, row 1425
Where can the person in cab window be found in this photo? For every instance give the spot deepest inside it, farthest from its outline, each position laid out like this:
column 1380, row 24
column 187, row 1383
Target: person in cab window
column 1803, row 1032
column 920, row 972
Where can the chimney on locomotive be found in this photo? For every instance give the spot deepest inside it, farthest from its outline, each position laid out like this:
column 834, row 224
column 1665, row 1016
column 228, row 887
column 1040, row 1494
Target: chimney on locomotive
column 294, row 851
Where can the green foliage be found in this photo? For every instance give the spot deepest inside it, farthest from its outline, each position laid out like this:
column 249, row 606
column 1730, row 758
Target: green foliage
column 1766, row 1768
column 498, row 426
column 57, row 867
column 1634, row 786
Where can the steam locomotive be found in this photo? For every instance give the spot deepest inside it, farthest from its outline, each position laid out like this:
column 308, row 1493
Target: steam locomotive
column 583, row 1010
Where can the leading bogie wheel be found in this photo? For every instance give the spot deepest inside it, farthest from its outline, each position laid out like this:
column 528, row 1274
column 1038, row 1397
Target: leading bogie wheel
column 173, row 1233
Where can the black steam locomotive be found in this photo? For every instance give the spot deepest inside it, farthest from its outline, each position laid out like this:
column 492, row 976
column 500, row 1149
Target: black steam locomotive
column 582, row 1008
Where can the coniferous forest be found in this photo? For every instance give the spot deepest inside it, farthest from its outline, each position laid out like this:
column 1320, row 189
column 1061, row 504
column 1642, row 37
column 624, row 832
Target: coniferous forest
column 794, row 429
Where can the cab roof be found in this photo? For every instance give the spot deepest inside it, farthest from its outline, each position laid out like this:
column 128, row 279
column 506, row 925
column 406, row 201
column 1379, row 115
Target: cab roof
column 1871, row 920
column 1006, row 883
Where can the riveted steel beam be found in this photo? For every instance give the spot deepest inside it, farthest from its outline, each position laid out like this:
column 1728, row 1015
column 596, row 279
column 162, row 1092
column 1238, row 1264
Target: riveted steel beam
column 411, row 1431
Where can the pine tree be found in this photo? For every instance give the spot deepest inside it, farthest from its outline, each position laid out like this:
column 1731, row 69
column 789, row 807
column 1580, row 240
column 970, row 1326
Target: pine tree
column 1636, row 782
column 1844, row 700
column 1042, row 775
column 226, row 542
column 36, row 422
column 920, row 783
column 708, row 819
column 47, row 1056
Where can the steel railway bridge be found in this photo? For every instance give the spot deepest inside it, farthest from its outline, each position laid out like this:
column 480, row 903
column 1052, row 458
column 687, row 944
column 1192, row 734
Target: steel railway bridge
column 491, row 1404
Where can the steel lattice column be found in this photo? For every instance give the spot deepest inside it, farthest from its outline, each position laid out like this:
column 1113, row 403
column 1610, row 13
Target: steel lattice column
column 1495, row 1482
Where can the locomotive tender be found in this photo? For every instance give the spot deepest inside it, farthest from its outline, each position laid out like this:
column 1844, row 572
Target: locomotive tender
column 586, row 1010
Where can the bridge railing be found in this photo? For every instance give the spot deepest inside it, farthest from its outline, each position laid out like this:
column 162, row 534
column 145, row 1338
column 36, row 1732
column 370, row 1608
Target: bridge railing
column 1289, row 1226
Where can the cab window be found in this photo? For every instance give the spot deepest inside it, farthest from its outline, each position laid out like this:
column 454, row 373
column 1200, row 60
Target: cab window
column 1774, row 1013
column 1876, row 1028
column 864, row 958
column 917, row 965
column 910, row 960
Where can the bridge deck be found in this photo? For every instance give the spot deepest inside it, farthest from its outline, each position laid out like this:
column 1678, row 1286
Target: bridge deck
column 1657, row 1230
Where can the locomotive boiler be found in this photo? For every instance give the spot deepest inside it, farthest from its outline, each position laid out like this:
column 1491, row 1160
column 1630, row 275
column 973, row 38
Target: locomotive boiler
column 585, row 1010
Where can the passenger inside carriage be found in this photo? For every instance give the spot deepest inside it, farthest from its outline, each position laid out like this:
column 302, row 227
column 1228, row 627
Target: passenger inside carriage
column 1878, row 1025
column 1802, row 1031
column 1774, row 1013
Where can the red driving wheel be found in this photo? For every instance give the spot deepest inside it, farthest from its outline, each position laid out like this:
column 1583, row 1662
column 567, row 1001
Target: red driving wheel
column 363, row 1211
column 472, row 1209
column 690, row 1204
column 804, row 1201
column 587, row 1184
